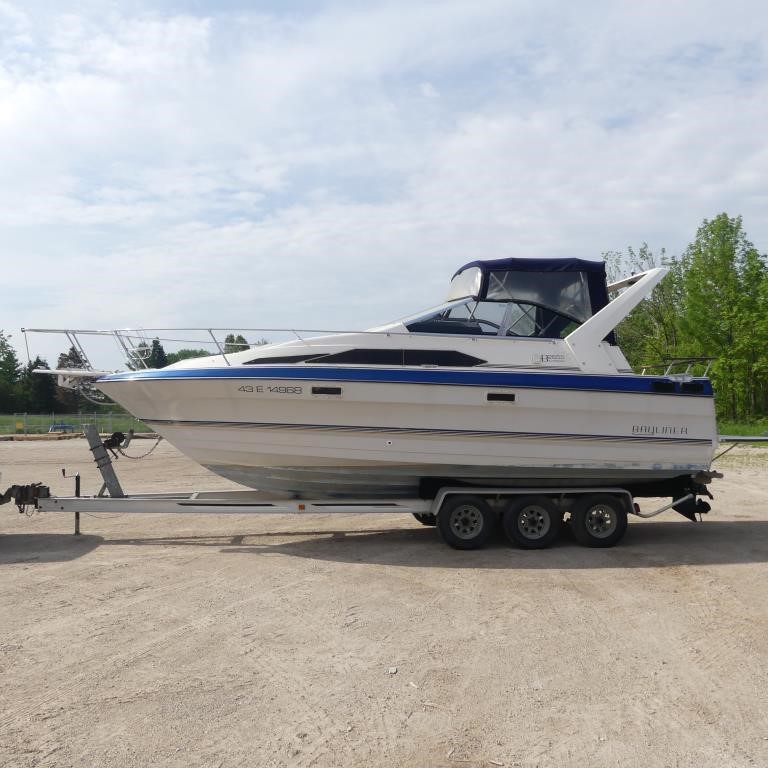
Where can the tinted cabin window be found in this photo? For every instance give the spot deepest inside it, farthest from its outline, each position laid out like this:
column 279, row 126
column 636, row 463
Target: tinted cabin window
column 441, row 357
column 449, row 325
column 283, row 359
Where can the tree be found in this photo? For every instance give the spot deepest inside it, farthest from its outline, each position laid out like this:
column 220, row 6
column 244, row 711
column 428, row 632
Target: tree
column 146, row 356
column 69, row 400
column 186, row 354
column 234, row 344
column 650, row 334
column 39, row 389
column 724, row 287
column 9, row 362
column 761, row 365
column 157, row 356
column 10, row 371
column 71, row 359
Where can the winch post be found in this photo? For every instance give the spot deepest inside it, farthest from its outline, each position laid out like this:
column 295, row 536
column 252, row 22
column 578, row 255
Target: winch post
column 103, row 462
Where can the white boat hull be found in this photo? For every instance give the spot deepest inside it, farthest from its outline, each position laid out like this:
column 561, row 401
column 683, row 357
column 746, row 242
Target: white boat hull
column 336, row 436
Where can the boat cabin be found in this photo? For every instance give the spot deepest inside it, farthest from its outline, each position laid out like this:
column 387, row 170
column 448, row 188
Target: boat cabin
column 534, row 298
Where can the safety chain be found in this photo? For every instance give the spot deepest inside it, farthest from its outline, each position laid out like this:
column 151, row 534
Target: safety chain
column 143, row 455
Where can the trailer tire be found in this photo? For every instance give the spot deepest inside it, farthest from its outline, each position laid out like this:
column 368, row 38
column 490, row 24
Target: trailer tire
column 598, row 520
column 532, row 522
column 466, row 522
column 426, row 518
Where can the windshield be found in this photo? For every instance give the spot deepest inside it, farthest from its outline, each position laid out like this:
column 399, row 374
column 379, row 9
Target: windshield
column 563, row 292
column 494, row 318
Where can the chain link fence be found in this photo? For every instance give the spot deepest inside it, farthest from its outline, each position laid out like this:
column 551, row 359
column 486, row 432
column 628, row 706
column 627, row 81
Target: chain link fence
column 42, row 423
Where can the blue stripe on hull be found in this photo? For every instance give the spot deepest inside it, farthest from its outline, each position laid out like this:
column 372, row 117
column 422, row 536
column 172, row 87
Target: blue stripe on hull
column 467, row 378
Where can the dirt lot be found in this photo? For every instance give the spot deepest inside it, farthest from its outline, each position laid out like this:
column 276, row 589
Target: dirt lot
column 274, row 640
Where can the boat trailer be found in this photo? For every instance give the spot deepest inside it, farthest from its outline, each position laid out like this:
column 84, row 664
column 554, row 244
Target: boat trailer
column 465, row 515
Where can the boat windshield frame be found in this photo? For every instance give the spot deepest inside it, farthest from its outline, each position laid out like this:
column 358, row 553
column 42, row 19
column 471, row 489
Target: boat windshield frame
column 507, row 322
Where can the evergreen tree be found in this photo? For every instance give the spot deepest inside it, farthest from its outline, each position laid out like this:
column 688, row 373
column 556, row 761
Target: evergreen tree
column 157, row 356
column 70, row 359
column 10, row 371
column 139, row 357
column 234, row 344
column 69, row 400
column 39, row 389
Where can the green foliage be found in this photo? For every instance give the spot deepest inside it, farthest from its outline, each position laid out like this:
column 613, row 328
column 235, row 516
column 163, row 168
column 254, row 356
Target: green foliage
column 186, row 354
column 9, row 375
column 651, row 332
column 757, row 427
column 70, row 359
column 713, row 303
column 157, row 356
column 724, row 281
column 9, row 362
column 234, row 344
column 139, row 357
column 69, row 399
column 38, row 389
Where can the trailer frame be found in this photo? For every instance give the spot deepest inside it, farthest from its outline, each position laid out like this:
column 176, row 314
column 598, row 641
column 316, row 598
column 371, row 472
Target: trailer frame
column 466, row 510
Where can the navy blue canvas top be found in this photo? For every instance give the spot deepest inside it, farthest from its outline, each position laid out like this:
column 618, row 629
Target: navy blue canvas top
column 594, row 270
column 538, row 265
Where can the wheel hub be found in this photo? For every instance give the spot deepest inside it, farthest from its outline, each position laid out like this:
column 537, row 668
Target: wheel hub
column 466, row 521
column 533, row 522
column 601, row 521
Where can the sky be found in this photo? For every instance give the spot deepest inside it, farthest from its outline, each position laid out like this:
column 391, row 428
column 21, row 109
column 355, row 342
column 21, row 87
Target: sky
column 331, row 164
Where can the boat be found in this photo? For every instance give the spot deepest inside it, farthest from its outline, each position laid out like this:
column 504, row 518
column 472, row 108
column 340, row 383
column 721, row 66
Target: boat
column 515, row 380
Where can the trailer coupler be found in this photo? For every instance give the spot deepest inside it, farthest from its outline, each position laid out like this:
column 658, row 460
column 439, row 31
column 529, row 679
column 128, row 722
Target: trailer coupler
column 24, row 496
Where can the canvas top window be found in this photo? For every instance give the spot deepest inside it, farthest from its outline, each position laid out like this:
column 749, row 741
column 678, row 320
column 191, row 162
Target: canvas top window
column 541, row 298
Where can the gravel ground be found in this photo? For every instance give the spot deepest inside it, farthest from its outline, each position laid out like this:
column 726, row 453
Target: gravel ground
column 331, row 640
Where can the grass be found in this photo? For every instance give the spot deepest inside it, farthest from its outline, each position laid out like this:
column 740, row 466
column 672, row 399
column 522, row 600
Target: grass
column 36, row 424
column 758, row 427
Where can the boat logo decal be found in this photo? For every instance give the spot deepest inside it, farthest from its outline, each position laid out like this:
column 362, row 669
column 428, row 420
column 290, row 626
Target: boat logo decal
column 658, row 429
column 540, row 358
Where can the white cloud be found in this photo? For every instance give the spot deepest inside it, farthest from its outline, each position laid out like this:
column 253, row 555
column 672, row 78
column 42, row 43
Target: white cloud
column 333, row 166
column 429, row 91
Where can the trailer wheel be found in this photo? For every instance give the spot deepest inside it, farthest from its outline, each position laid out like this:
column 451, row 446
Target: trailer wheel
column 426, row 518
column 598, row 520
column 466, row 522
column 532, row 522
